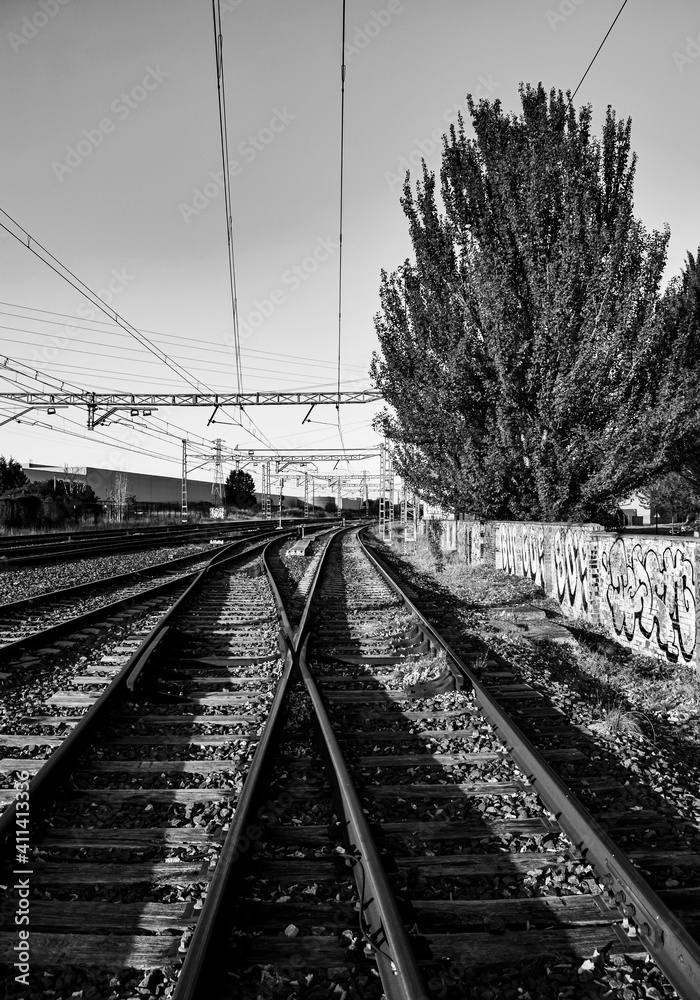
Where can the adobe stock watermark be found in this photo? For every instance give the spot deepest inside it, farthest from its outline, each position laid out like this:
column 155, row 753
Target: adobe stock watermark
column 563, row 12
column 362, row 35
column 22, row 871
column 423, row 149
column 292, row 278
column 692, row 51
column 31, row 26
column 248, row 149
column 117, row 282
column 121, row 107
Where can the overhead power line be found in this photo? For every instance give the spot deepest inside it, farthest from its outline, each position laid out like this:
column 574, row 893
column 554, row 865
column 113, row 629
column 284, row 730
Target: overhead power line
column 295, row 359
column 598, row 49
column 46, row 257
column 33, row 375
column 223, row 129
column 99, row 351
column 340, row 221
column 342, row 168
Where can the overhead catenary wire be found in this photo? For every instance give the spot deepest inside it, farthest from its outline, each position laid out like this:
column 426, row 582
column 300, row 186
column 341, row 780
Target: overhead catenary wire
column 343, row 69
column 598, row 49
column 64, row 272
column 169, row 337
column 11, row 364
column 223, row 130
column 95, row 352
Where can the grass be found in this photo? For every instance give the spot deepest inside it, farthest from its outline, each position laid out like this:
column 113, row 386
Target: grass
column 481, row 586
column 653, row 688
column 621, row 688
column 418, row 671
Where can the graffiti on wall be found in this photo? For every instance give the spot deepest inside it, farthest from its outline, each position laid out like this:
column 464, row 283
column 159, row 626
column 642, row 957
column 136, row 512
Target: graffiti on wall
column 571, row 557
column 521, row 548
column 649, row 592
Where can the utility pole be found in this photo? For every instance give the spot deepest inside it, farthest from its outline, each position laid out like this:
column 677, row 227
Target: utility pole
column 266, row 490
column 184, row 512
column 386, row 486
column 217, row 486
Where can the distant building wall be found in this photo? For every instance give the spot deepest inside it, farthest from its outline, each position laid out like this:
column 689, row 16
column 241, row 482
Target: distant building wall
column 160, row 489
column 643, row 589
column 146, row 488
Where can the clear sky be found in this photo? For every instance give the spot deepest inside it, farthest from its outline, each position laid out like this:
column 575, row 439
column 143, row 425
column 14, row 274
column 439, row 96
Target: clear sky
column 110, row 136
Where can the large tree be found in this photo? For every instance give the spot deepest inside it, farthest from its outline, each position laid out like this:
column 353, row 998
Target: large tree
column 240, row 489
column 681, row 322
column 523, row 348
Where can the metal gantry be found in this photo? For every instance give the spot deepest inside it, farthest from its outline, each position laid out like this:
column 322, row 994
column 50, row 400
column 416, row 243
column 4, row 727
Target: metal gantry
column 266, row 491
column 184, row 511
column 217, row 486
column 409, row 516
column 386, row 492
column 94, row 401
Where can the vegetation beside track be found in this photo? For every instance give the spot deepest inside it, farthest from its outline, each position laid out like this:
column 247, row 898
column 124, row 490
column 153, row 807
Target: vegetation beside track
column 612, row 682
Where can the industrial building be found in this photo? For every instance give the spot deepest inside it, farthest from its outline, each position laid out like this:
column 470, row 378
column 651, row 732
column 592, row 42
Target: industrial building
column 150, row 490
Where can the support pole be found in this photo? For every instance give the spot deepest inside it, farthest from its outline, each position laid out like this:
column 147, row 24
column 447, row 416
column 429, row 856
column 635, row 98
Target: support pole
column 217, row 486
column 184, row 514
column 266, row 489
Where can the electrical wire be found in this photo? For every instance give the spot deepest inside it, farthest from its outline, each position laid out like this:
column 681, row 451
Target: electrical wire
column 102, row 354
column 340, row 224
column 598, row 49
column 223, row 130
column 93, row 437
column 342, row 171
column 168, row 338
column 35, row 375
column 80, row 286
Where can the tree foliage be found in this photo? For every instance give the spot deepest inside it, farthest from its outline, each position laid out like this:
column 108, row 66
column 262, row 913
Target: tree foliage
column 523, row 350
column 675, row 494
column 50, row 501
column 681, row 322
column 12, row 475
column 240, row 489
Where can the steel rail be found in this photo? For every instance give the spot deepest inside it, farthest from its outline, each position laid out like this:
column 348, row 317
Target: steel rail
column 14, row 542
column 395, row 957
column 54, row 632
column 43, row 786
column 396, row 963
column 201, row 970
column 35, row 601
column 134, row 528
column 130, row 543
column 393, row 953
column 673, row 948
column 8, row 542
column 305, row 620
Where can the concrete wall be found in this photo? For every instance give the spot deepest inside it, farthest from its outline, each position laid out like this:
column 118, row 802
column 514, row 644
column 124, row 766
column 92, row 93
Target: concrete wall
column 641, row 588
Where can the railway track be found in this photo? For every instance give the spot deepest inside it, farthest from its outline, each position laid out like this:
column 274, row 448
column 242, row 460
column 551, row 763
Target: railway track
column 39, row 619
column 388, row 830
column 59, row 662
column 39, row 550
